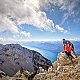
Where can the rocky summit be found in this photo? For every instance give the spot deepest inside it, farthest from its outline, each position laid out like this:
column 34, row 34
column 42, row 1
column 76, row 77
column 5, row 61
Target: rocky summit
column 62, row 69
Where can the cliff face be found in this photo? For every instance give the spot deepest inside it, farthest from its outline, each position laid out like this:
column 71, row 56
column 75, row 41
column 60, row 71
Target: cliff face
column 13, row 57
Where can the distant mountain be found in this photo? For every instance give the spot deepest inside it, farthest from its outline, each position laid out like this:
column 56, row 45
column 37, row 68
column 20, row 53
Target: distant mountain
column 13, row 57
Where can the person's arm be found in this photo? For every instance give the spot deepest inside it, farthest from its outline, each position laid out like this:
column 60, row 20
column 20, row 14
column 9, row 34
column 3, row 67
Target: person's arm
column 64, row 46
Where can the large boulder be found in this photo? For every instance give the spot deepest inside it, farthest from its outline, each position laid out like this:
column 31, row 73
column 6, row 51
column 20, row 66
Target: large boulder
column 21, row 76
column 3, row 76
column 63, row 59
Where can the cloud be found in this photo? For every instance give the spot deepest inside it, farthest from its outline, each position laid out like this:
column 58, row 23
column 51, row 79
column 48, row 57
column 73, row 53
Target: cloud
column 60, row 29
column 70, row 7
column 1, row 39
column 17, row 12
column 25, row 33
column 10, row 39
column 7, row 24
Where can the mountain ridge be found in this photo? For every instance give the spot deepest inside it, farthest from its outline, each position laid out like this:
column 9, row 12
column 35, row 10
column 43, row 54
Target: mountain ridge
column 14, row 56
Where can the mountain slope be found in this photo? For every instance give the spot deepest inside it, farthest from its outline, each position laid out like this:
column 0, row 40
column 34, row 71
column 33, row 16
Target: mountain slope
column 13, row 57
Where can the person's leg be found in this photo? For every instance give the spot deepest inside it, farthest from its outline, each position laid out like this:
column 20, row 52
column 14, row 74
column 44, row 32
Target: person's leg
column 66, row 53
column 74, row 53
column 73, row 50
column 70, row 56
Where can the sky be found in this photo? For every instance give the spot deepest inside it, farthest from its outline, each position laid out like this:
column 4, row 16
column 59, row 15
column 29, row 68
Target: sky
column 39, row 20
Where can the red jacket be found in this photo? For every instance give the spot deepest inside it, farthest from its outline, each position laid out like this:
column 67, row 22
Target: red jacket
column 68, row 48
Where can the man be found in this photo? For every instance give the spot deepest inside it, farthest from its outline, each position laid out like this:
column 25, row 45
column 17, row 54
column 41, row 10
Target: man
column 65, row 42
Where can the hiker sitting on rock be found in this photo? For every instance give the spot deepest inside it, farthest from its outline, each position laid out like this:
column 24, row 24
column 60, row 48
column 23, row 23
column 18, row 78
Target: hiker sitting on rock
column 68, row 49
column 72, row 46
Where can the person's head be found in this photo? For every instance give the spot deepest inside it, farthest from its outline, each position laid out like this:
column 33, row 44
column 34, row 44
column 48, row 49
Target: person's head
column 64, row 40
column 68, row 44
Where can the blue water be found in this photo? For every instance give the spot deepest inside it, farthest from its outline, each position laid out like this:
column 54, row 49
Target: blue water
column 50, row 49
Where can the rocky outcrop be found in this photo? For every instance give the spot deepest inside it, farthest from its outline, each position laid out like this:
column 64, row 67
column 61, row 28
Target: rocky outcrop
column 13, row 57
column 18, row 76
column 62, row 69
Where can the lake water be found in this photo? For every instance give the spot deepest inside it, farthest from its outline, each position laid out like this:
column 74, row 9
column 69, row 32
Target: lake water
column 50, row 49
